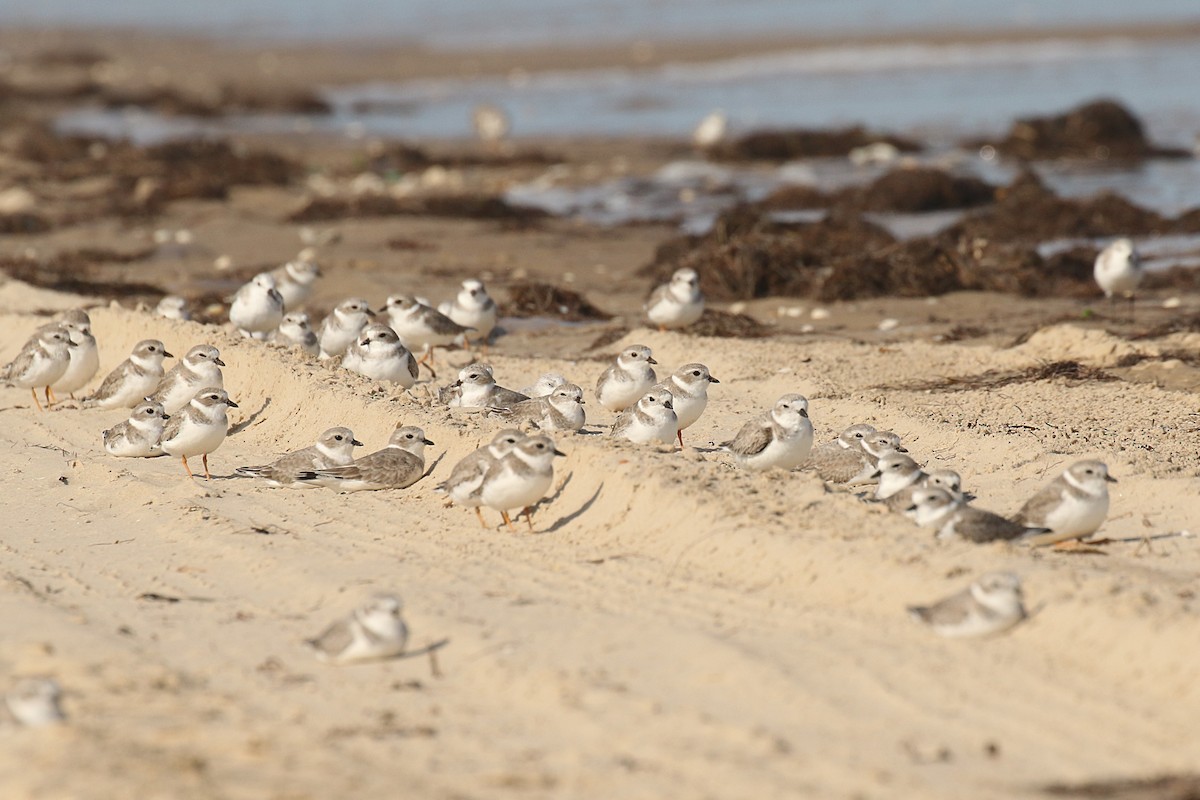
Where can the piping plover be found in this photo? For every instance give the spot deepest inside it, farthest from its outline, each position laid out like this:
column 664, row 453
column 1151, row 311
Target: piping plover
column 651, row 419
column 857, row 464
column 520, row 478
column 341, row 327
column 465, row 484
column 420, row 327
column 895, row 473
column 173, row 307
column 561, row 410
column 294, row 281
column 491, row 124
column 688, row 386
column 851, row 437
column 1072, row 506
column 334, row 448
column 472, row 308
column 257, row 307
column 41, row 362
column 711, row 130
column 34, row 702
column 778, row 439
column 397, row 466
column 628, row 378
column 676, row 304
column 990, row 605
column 451, row 395
column 950, row 519
column 378, row 354
column 478, row 389
column 374, row 631
column 198, row 369
column 946, row 479
column 544, row 385
column 1118, row 270
column 85, row 357
column 133, row 379
column 199, row 427
column 900, row 478
column 140, row 436
column 295, row 330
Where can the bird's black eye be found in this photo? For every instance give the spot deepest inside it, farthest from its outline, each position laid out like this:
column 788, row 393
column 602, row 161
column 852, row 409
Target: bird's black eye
column 339, row 438
column 541, row 447
column 696, row 372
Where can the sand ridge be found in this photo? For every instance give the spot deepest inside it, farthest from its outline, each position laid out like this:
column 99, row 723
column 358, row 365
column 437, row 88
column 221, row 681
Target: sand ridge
column 675, row 625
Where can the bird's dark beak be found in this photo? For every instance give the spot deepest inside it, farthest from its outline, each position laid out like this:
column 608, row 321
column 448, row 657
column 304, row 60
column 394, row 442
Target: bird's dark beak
column 901, row 449
column 426, row 441
column 711, row 379
column 168, row 355
column 457, row 383
column 71, row 344
column 356, row 443
column 218, row 362
column 651, row 360
column 913, row 507
column 804, row 413
column 365, row 342
column 580, row 401
column 1110, row 479
column 231, row 404
column 877, row 473
column 370, row 313
column 668, row 404
column 166, row 416
column 558, row 452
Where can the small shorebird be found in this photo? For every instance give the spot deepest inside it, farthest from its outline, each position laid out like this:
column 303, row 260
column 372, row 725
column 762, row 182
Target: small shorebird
column 199, row 427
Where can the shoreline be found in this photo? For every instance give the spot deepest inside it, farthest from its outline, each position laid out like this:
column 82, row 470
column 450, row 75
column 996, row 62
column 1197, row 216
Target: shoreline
column 345, row 61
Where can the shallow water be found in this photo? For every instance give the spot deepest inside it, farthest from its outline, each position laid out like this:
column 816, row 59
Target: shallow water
column 504, row 23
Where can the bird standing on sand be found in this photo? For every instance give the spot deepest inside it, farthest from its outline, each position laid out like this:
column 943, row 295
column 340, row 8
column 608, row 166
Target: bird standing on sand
column 133, row 379
column 198, row 428
column 521, row 478
column 628, row 378
column 257, row 307
column 688, row 386
column 341, row 327
column 41, row 362
column 85, row 356
column 465, row 484
column 678, row 303
column 1118, row 271
column 472, row 308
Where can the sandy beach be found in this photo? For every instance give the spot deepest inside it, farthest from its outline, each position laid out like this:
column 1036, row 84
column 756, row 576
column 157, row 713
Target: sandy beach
column 674, row 626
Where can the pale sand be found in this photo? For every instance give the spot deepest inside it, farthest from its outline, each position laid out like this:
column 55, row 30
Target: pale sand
column 676, row 628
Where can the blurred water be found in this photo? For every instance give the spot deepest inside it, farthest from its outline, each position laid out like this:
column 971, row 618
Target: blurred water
column 496, row 23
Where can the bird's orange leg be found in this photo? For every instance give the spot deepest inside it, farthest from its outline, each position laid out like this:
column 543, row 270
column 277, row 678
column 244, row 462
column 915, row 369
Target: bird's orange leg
column 207, row 477
column 185, row 466
column 37, row 402
column 479, row 514
column 507, row 521
column 529, row 517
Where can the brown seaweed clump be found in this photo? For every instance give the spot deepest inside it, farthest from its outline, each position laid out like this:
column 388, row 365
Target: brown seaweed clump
column 906, row 191
column 536, row 299
column 464, row 206
column 1071, row 372
column 1102, row 130
column 81, row 272
column 727, row 325
column 785, row 145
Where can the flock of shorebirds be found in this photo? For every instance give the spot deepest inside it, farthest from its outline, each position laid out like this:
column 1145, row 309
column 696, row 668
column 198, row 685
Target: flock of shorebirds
column 183, row 413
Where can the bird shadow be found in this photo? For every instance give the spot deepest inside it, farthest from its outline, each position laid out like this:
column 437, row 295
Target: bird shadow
column 250, row 420
column 432, row 467
column 426, row 650
column 563, row 521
